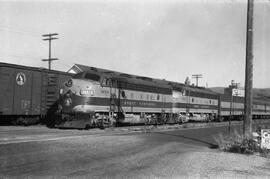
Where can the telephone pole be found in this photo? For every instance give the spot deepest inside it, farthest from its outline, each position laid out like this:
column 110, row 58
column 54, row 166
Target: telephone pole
column 50, row 37
column 197, row 76
column 247, row 127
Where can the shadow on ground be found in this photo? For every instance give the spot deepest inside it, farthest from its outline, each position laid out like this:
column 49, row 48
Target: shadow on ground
column 209, row 144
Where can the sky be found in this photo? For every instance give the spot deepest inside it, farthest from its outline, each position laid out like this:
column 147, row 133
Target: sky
column 165, row 39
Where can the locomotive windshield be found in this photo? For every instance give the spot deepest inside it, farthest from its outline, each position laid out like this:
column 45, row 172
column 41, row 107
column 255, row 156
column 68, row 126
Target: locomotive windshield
column 91, row 76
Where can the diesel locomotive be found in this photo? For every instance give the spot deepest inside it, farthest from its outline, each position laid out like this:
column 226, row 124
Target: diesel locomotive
column 92, row 98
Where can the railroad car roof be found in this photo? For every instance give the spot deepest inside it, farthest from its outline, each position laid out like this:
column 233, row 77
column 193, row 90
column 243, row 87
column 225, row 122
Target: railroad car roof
column 124, row 79
column 143, row 80
column 9, row 65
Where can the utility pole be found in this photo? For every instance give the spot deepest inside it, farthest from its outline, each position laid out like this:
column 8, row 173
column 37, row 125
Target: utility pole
column 197, row 76
column 50, row 37
column 247, row 127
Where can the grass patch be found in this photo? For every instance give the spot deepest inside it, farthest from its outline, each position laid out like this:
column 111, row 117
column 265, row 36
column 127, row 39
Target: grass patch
column 238, row 143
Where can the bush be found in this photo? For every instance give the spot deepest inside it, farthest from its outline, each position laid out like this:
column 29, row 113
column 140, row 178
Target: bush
column 225, row 141
column 265, row 152
column 238, row 143
column 245, row 146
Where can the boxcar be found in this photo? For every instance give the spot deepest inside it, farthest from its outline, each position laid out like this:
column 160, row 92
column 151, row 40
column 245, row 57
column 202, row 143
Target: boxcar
column 28, row 94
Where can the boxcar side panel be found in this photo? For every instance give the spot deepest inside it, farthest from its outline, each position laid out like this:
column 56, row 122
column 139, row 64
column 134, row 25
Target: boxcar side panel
column 7, row 81
column 22, row 92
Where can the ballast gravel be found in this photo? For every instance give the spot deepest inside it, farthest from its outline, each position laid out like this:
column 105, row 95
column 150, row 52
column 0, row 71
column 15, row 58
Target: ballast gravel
column 214, row 165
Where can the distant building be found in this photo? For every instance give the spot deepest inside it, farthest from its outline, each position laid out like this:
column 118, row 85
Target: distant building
column 235, row 91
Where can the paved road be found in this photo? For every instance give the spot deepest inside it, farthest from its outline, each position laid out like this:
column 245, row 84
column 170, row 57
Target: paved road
column 42, row 152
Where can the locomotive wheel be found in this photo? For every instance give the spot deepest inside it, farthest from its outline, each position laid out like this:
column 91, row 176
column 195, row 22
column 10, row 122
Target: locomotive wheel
column 221, row 119
column 87, row 127
column 180, row 121
column 14, row 122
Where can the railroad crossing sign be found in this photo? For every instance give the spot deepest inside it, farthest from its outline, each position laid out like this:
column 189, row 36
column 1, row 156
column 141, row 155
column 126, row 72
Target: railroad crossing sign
column 265, row 142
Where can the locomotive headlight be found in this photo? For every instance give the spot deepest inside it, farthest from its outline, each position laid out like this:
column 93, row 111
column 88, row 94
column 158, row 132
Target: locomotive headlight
column 87, row 92
column 69, row 83
column 68, row 101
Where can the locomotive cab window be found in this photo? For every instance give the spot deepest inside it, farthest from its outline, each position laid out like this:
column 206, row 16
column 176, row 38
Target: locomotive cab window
column 104, row 82
column 91, row 76
column 108, row 82
column 123, row 94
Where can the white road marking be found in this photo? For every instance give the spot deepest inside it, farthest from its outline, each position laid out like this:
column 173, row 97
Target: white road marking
column 20, row 140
